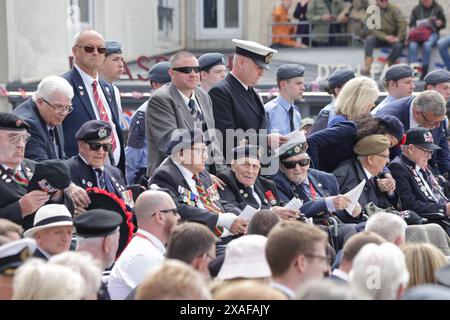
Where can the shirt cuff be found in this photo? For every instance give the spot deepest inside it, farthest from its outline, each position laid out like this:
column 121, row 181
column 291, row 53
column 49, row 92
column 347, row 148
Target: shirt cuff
column 330, row 204
column 226, row 220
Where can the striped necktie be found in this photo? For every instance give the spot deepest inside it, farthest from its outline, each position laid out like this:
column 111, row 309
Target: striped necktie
column 18, row 177
column 207, row 203
column 102, row 111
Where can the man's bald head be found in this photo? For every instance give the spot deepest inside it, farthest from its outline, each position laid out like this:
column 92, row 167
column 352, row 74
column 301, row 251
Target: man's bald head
column 87, row 35
column 151, row 201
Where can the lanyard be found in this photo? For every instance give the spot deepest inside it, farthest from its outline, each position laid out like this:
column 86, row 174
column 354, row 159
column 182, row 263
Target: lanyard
column 140, row 235
column 313, row 192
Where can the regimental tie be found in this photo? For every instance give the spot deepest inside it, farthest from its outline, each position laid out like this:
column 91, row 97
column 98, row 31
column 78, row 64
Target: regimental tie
column 102, row 111
column 18, row 177
column 207, row 203
column 196, row 114
column 291, row 118
column 101, row 178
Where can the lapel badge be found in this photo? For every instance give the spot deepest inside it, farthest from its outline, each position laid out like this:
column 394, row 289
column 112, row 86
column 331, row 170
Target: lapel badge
column 83, row 181
column 89, row 184
column 81, row 93
column 8, row 180
column 241, row 191
column 80, row 87
column 245, row 195
column 4, row 176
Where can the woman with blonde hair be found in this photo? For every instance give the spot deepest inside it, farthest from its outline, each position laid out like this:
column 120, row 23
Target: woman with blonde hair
column 422, row 261
column 356, row 99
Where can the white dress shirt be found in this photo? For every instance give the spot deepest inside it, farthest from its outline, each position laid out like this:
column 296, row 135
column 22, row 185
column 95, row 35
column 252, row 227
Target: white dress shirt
column 139, row 258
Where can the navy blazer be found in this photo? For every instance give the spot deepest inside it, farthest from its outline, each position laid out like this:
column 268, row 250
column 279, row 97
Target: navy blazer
column 83, row 111
column 40, row 147
column 236, row 108
column 400, row 109
column 325, row 184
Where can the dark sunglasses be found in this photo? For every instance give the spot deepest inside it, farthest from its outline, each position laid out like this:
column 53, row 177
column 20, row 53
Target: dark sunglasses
column 89, row 49
column 292, row 164
column 187, row 69
column 95, row 146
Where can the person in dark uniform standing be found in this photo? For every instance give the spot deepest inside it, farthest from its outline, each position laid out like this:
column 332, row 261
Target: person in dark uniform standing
column 89, row 169
column 213, row 69
column 236, row 105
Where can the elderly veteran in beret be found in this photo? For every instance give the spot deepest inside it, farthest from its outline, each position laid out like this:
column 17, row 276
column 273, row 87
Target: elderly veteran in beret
column 335, row 83
column 438, row 80
column 419, row 188
column 372, row 156
column 18, row 203
column 212, row 69
column 89, row 169
column 283, row 115
column 136, row 153
column 399, row 83
column 246, row 187
column 52, row 230
column 12, row 256
column 183, row 175
column 319, row 192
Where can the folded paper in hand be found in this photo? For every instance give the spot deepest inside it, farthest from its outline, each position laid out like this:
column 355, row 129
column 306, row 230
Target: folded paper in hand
column 248, row 212
column 354, row 195
column 294, row 204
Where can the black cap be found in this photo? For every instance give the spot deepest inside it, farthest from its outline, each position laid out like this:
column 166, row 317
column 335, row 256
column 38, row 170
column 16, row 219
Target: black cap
column 211, row 59
column 112, row 47
column 247, row 151
column 50, row 176
column 399, row 71
column 340, row 77
column 93, row 130
column 260, row 54
column 421, row 137
column 97, row 223
column 184, row 138
column 14, row 254
column 159, row 72
column 289, row 71
column 393, row 125
column 437, row 76
column 9, row 121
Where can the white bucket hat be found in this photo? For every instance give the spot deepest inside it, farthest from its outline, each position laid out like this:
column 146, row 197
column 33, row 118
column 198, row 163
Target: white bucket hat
column 49, row 216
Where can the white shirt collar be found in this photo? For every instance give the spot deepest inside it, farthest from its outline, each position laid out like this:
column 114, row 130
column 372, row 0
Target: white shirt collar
column 286, row 290
column 340, row 274
column 368, row 174
column 244, row 85
column 154, row 240
column 412, row 121
column 87, row 79
column 18, row 168
column 84, row 160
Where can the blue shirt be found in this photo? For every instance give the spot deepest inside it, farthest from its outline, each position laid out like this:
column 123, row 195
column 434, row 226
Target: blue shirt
column 381, row 105
column 277, row 111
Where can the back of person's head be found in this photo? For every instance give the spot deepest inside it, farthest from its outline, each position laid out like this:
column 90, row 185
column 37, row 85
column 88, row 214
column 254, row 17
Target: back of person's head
column 50, row 85
column 388, row 225
column 289, row 239
column 326, row 289
column 10, row 229
column 149, row 202
column 423, row 260
column 84, row 264
column 379, row 271
column 247, row 290
column 188, row 241
column 429, row 233
column 357, row 241
column 38, row 280
column 430, row 101
column 173, row 280
column 262, row 222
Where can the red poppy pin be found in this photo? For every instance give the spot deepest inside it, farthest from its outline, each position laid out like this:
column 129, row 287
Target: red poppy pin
column 270, row 197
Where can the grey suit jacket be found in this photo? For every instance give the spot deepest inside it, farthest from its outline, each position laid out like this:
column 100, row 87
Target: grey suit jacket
column 167, row 112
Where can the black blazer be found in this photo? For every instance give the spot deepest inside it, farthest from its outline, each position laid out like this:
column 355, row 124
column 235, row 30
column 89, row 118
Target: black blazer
column 40, row 147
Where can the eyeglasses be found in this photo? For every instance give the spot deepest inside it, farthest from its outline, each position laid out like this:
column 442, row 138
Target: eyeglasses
column 383, row 156
column 95, row 146
column 325, row 259
column 426, row 151
column 16, row 139
column 59, row 109
column 89, row 49
column 173, row 211
column 292, row 164
column 187, row 69
column 432, row 123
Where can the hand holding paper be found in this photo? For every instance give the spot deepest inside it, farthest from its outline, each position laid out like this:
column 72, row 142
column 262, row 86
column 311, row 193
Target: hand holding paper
column 354, row 195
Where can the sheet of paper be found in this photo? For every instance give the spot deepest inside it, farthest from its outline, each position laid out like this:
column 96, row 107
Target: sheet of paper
column 423, row 23
column 295, row 137
column 294, row 204
column 354, row 195
column 248, row 213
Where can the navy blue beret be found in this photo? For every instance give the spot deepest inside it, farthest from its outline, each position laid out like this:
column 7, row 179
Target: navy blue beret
column 184, row 138
column 289, row 71
column 160, row 72
column 97, row 223
column 93, row 130
column 113, row 47
column 9, row 121
column 340, row 77
column 247, row 151
column 393, row 125
column 399, row 71
column 209, row 60
column 437, row 76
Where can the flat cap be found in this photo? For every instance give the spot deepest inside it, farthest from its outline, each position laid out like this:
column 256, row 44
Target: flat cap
column 9, row 121
column 289, row 71
column 93, row 130
column 113, row 47
column 421, row 137
column 370, row 145
column 14, row 254
column 97, row 223
column 437, row 76
column 159, row 72
column 260, row 54
column 340, row 77
column 183, row 139
column 247, row 151
column 211, row 59
column 393, row 125
column 399, row 71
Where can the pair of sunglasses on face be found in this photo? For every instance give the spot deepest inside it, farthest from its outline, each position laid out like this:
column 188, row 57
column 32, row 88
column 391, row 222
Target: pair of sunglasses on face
column 187, row 70
column 95, row 146
column 292, row 164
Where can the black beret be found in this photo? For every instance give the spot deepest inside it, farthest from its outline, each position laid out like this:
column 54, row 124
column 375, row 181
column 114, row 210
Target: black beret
column 159, row 72
column 399, row 71
column 340, row 77
column 93, row 130
column 437, row 76
column 50, row 176
column 184, row 138
column 393, row 125
column 14, row 254
column 209, row 60
column 97, row 223
column 247, row 151
column 113, row 47
column 289, row 71
column 9, row 121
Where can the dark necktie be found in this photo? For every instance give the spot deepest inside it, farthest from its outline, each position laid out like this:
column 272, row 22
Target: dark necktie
column 291, row 118
column 51, row 133
column 196, row 114
column 100, row 178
